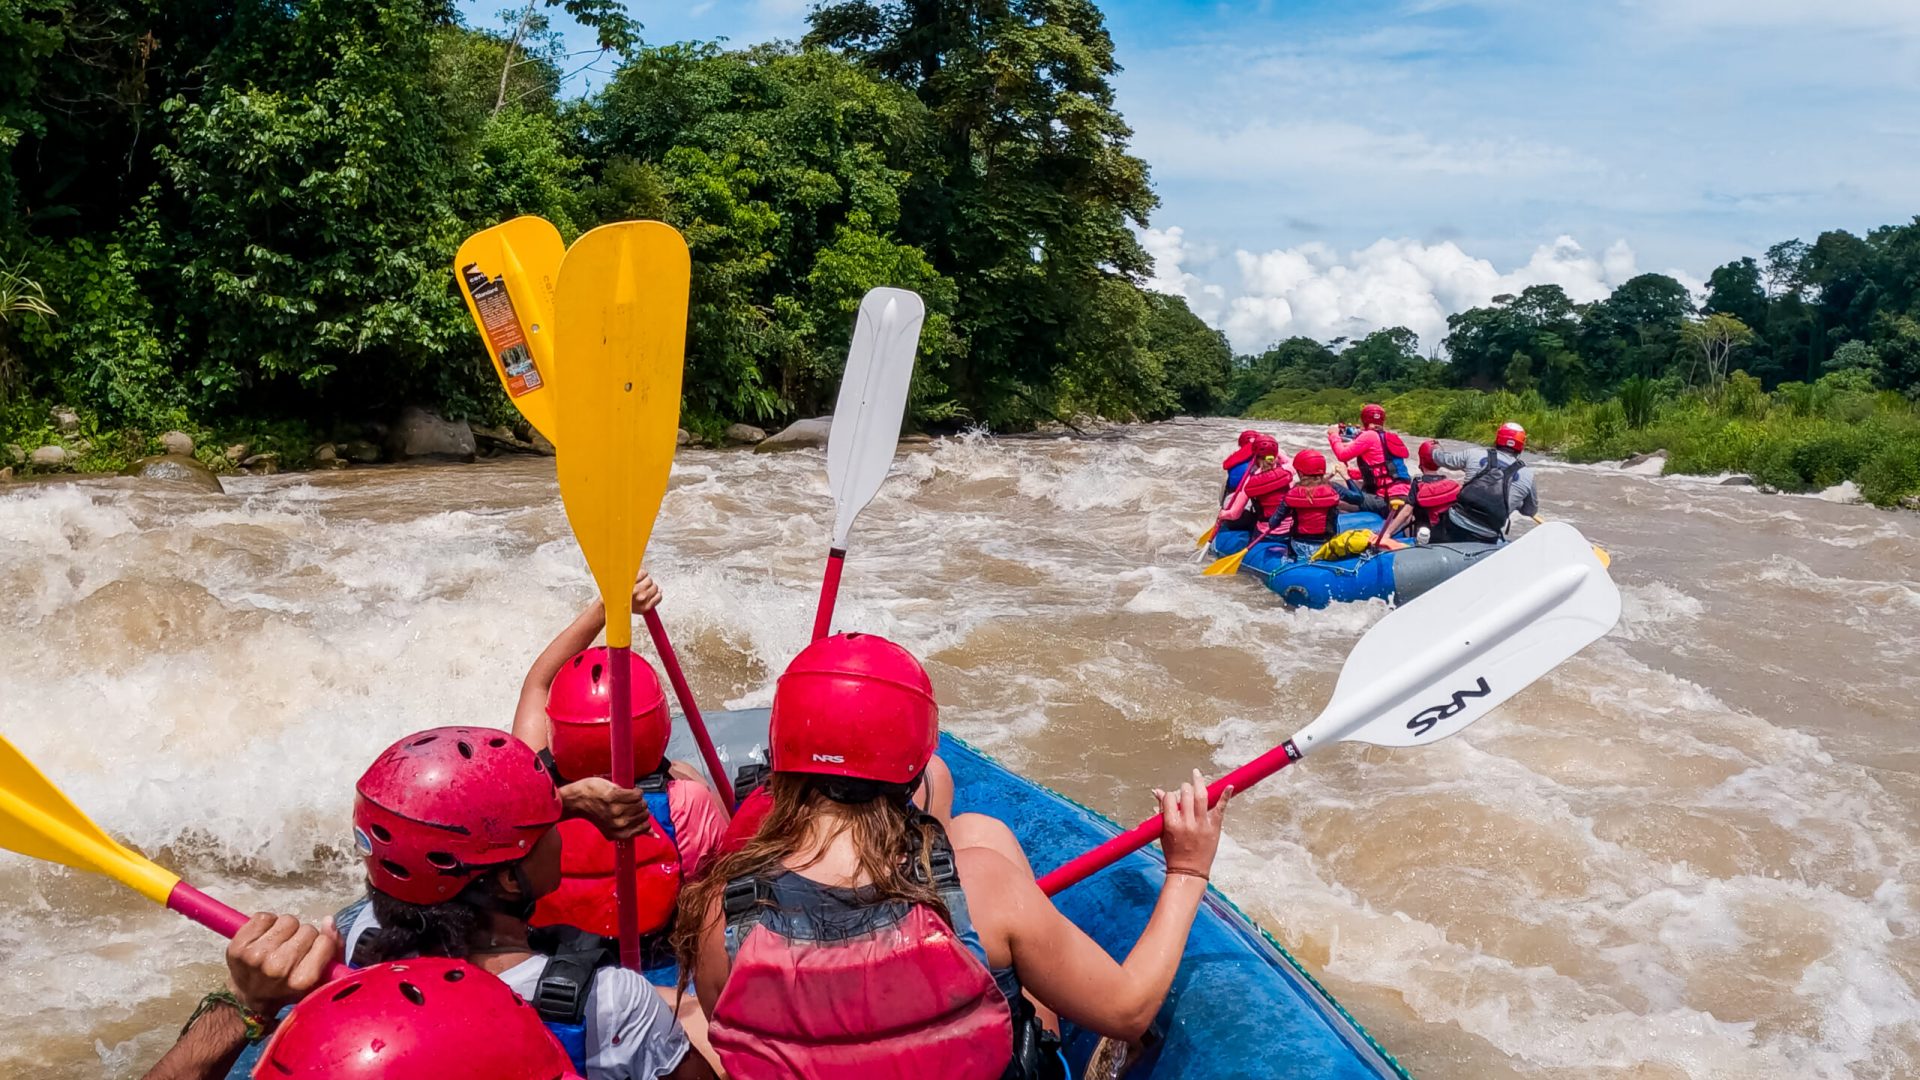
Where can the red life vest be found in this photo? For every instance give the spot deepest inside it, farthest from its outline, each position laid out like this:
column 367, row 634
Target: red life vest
column 1432, row 497
column 901, row 997
column 1265, row 489
column 1239, row 457
column 1315, row 518
column 585, row 896
column 1384, row 471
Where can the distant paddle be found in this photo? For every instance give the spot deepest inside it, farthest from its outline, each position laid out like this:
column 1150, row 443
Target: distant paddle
column 866, row 421
column 1599, row 552
column 621, row 318
column 39, row 821
column 508, row 275
column 1231, row 563
column 524, row 256
column 1427, row 670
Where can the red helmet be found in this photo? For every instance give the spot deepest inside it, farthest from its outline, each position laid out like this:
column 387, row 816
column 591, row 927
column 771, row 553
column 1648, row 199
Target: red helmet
column 1310, row 463
column 414, row 1020
column 1372, row 414
column 1248, row 436
column 578, row 715
column 441, row 807
column 1265, row 446
column 1427, row 461
column 854, row 705
column 1511, row 437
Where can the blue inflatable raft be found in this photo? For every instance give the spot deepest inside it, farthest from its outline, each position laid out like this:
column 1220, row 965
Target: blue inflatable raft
column 1241, row 1007
column 1394, row 576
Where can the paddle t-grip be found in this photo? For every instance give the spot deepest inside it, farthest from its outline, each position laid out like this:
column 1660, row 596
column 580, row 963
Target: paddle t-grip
column 829, row 592
column 684, row 693
column 620, row 701
column 1085, row 866
column 186, row 900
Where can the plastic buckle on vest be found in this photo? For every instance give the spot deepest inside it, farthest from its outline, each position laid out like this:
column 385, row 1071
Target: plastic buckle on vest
column 559, row 996
column 749, row 778
column 742, row 895
column 945, row 874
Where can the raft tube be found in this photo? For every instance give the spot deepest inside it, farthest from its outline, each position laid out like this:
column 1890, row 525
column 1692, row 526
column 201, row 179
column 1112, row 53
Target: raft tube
column 1394, row 576
column 1241, row 1007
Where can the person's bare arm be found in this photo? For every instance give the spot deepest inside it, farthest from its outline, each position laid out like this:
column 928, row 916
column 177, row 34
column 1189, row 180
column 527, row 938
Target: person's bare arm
column 1069, row 971
column 273, row 961
column 711, row 967
column 530, row 715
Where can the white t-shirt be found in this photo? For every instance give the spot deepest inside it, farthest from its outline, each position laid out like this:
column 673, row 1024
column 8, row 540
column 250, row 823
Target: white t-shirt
column 631, row 1033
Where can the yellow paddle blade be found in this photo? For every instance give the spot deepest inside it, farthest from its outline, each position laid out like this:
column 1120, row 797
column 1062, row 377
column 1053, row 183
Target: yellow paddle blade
column 1600, row 553
column 1206, row 536
column 39, row 821
column 508, row 274
column 621, row 317
column 1228, row 565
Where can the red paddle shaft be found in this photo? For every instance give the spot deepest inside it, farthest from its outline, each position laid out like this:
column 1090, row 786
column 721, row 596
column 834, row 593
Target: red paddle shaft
column 695, row 722
column 219, row 918
column 1091, row 863
column 829, row 592
column 620, row 701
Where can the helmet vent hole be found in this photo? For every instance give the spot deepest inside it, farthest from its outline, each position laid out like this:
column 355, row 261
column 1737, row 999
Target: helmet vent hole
column 423, row 740
column 597, row 669
column 347, row 992
column 455, row 975
column 412, row 993
column 442, row 860
column 496, row 742
column 466, row 748
column 380, row 833
column 395, row 869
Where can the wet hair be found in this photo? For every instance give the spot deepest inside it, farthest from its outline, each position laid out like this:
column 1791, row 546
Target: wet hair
column 446, row 929
column 892, row 839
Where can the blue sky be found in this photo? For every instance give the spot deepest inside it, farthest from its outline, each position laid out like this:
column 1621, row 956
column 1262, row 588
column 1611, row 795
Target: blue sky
column 1330, row 167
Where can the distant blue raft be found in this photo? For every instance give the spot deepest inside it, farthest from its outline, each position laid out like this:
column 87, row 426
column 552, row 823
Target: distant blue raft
column 1393, row 576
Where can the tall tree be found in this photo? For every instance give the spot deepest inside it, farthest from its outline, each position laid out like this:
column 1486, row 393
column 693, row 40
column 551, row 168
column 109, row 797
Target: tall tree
column 1030, row 215
column 1634, row 330
column 1714, row 338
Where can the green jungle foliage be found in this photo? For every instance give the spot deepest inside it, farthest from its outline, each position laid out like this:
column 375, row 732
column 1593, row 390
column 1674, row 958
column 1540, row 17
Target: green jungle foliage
column 216, row 213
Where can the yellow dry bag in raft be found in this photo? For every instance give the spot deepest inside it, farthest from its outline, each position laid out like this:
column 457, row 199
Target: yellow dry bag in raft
column 1346, row 545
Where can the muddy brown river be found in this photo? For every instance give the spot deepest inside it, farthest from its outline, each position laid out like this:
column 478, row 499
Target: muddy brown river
column 1688, row 853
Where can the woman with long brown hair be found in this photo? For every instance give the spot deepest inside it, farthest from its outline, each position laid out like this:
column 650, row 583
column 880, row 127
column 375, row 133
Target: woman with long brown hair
column 850, row 939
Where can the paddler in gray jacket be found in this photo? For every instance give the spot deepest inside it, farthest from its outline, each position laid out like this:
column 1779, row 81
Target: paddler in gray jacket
column 1498, row 483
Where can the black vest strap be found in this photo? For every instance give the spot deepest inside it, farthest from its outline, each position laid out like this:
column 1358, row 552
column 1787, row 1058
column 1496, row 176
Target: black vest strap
column 561, row 994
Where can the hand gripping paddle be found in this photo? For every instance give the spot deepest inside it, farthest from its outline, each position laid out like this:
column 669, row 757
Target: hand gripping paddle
column 39, row 821
column 866, row 421
column 1427, row 670
column 621, row 322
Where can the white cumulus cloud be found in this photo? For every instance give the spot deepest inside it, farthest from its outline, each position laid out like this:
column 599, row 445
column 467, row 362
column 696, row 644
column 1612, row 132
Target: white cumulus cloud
column 1314, row 290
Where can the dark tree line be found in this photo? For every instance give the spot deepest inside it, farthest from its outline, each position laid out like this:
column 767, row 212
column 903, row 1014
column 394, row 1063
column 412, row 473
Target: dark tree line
column 218, row 208
column 1799, row 313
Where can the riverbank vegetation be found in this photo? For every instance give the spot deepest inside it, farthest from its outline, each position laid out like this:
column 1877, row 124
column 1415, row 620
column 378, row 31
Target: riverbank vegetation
column 220, row 216
column 1801, row 369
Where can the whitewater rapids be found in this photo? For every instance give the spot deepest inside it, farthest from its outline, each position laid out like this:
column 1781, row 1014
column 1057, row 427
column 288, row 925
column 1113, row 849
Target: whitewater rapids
column 1690, row 852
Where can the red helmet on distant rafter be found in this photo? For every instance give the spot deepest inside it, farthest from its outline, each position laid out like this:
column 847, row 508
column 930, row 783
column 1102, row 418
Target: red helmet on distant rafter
column 1372, row 414
column 1310, row 463
column 1428, row 463
column 1511, row 437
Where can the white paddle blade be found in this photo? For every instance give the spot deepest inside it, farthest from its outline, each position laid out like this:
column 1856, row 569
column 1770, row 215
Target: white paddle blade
column 1447, row 659
column 872, row 402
